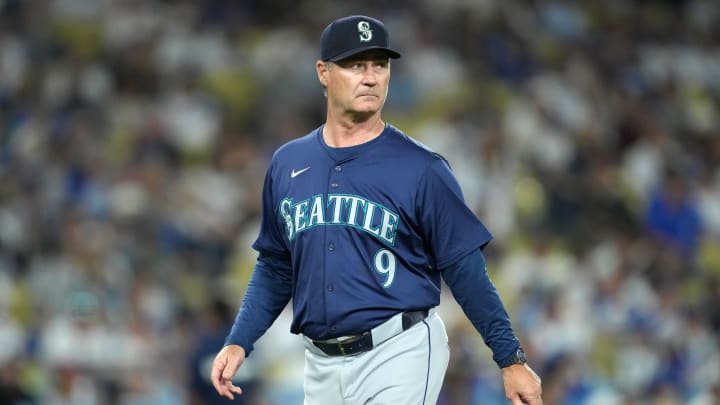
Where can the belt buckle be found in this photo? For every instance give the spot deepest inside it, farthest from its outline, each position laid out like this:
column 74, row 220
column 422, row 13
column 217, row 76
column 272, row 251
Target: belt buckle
column 357, row 344
column 348, row 346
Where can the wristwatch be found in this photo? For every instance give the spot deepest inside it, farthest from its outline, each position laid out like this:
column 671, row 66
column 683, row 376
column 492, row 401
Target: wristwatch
column 517, row 358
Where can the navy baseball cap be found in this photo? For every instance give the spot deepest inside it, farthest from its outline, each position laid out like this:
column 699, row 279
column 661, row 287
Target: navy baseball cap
column 353, row 34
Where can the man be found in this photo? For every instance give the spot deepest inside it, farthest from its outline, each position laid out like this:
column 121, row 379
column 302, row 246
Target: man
column 359, row 223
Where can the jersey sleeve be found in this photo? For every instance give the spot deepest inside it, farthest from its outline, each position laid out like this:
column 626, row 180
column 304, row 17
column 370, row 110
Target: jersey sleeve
column 450, row 228
column 268, row 292
column 270, row 239
column 473, row 290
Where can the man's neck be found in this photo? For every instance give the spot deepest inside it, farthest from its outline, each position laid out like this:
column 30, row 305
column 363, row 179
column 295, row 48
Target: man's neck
column 341, row 133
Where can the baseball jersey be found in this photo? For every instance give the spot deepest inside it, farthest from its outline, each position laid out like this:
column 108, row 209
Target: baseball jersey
column 366, row 228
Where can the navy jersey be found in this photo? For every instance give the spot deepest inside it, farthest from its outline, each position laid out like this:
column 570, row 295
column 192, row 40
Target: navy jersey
column 366, row 228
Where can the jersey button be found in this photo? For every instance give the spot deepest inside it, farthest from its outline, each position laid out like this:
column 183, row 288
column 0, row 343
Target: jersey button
column 331, row 288
column 331, row 247
column 334, row 185
column 338, row 168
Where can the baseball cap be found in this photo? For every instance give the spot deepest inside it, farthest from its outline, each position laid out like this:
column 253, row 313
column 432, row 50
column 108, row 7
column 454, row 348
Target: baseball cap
column 353, row 34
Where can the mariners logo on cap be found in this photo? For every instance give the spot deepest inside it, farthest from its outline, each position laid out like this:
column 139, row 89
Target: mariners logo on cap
column 365, row 31
column 351, row 35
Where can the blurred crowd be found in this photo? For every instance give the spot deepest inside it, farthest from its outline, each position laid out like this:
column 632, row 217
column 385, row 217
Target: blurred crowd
column 134, row 137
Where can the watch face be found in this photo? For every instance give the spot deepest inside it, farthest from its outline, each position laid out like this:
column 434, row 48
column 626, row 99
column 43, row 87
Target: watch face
column 517, row 358
column 520, row 357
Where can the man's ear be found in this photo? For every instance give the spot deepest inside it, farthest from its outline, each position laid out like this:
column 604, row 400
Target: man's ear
column 322, row 71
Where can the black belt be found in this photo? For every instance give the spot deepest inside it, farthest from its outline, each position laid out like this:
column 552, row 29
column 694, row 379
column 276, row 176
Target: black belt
column 364, row 342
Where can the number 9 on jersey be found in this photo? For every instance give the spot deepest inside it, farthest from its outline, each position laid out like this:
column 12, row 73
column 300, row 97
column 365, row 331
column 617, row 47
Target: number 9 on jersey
column 385, row 264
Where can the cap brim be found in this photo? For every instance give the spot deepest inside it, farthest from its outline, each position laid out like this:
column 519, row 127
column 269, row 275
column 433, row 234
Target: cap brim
column 392, row 54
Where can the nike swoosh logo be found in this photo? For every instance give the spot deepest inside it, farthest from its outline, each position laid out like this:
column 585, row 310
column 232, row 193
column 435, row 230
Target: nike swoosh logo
column 294, row 173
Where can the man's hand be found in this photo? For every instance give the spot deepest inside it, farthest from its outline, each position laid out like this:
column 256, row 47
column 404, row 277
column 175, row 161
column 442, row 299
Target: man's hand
column 522, row 385
column 226, row 364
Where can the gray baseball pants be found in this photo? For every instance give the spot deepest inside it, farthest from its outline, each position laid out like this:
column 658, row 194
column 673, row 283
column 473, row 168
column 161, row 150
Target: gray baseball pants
column 406, row 369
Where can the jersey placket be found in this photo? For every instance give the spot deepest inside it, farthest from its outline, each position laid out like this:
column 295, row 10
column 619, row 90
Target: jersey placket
column 331, row 259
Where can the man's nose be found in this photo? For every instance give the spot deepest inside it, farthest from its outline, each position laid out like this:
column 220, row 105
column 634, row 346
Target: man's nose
column 369, row 77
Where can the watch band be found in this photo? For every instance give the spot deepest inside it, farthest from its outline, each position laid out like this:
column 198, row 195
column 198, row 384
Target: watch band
column 517, row 358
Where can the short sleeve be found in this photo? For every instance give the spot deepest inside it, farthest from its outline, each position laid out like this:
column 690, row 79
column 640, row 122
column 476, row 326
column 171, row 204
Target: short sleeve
column 450, row 228
column 270, row 239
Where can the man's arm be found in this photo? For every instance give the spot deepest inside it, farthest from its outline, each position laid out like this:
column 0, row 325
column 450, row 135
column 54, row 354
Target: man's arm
column 267, row 294
column 474, row 291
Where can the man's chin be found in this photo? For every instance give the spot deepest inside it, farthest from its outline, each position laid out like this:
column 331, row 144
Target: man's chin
column 363, row 115
column 370, row 108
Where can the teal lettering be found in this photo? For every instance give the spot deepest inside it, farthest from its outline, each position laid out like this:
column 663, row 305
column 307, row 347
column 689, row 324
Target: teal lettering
column 301, row 215
column 352, row 213
column 337, row 206
column 317, row 216
column 367, row 223
column 388, row 229
column 284, row 209
column 339, row 210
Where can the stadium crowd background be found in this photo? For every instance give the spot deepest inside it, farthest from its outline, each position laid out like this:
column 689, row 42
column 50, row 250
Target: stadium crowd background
column 134, row 136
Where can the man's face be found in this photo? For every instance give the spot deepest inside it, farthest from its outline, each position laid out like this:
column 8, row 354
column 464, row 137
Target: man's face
column 358, row 84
